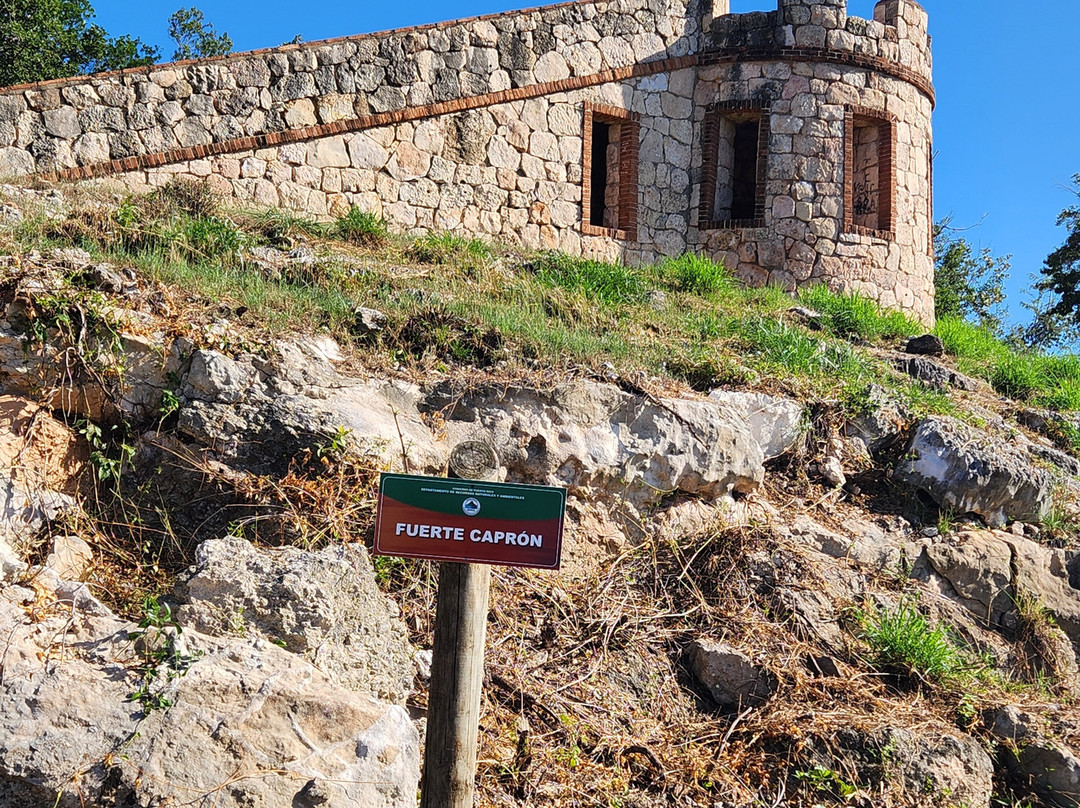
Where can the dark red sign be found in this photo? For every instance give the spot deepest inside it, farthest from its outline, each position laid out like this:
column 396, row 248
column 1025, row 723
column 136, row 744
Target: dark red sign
column 470, row 520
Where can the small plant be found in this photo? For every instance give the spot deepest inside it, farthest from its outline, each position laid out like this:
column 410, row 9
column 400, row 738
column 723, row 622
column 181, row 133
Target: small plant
column 901, row 639
column 110, row 454
column 192, row 197
column 335, row 447
column 159, row 654
column 361, row 227
column 822, row 778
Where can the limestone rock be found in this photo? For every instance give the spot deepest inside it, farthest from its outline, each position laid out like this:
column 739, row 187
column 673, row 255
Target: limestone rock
column 261, row 413
column 324, row 606
column 775, row 423
column 730, row 675
column 596, row 438
column 249, row 723
column 967, row 473
column 1036, row 754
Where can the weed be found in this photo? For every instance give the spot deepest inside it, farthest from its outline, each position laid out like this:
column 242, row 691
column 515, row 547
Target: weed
column 901, row 639
column 109, row 452
column 361, row 227
column 192, row 197
column 822, row 778
column 799, row 352
column 161, row 658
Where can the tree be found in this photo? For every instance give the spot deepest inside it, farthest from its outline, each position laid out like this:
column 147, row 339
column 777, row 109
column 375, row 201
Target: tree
column 1057, row 310
column 967, row 285
column 196, row 38
column 49, row 39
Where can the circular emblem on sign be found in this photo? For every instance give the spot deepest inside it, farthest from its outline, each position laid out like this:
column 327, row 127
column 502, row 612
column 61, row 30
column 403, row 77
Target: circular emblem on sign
column 471, row 506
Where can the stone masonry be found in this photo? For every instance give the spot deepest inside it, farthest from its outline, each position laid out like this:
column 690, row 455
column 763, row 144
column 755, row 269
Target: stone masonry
column 794, row 145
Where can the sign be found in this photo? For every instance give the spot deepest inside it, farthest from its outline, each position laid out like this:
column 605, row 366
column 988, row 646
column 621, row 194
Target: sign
column 474, row 521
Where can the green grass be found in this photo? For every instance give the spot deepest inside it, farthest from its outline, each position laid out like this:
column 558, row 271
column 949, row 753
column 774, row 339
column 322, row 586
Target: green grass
column 698, row 276
column 469, row 254
column 849, row 315
column 360, row 227
column 608, row 284
column 777, row 344
column 902, row 640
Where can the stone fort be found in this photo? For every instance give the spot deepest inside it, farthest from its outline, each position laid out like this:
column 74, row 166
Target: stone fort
column 794, row 145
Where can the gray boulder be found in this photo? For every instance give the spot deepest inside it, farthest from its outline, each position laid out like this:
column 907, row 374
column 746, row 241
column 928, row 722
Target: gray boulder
column 967, row 472
column 1036, row 754
column 926, row 345
column 730, row 676
column 323, row 605
column 241, row 722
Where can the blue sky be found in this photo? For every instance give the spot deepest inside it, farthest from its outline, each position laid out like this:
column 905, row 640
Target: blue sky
column 1006, row 127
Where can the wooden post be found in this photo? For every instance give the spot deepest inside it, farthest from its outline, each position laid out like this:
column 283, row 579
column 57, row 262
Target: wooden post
column 457, row 663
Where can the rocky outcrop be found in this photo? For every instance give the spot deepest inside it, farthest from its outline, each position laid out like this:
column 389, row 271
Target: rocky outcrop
column 967, row 472
column 1040, row 752
column 934, row 374
column 324, row 606
column 596, row 439
column 990, row 571
column 259, row 414
column 775, row 423
column 238, row 722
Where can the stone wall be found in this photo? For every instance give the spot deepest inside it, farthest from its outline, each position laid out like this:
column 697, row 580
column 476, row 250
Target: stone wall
column 480, row 126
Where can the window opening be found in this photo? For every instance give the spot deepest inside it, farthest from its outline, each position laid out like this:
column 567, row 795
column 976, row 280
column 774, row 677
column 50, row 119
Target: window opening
column 610, row 173
column 869, row 186
column 736, row 151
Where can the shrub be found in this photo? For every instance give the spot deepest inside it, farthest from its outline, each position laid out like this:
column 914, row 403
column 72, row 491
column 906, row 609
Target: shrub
column 360, row 227
column 193, row 197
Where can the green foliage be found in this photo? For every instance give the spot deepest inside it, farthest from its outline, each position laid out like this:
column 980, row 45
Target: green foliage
column 966, row 285
column 796, row 350
column 697, row 275
column 822, row 778
column 110, row 453
column 968, row 341
column 448, row 248
column 610, row 284
column 160, row 658
column 195, row 38
column 851, row 315
column 1059, row 316
column 360, row 227
column 49, row 39
column 902, row 640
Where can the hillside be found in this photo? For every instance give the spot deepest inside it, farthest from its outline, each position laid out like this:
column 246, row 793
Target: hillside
column 804, row 565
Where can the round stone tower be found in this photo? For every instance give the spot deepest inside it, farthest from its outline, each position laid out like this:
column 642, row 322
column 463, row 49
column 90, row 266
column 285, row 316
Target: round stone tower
column 815, row 154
